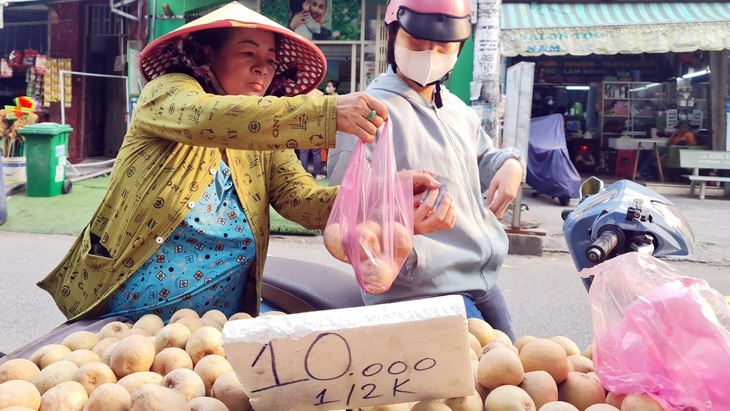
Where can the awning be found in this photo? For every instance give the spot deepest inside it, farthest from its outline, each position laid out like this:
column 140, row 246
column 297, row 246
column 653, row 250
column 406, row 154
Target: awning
column 581, row 29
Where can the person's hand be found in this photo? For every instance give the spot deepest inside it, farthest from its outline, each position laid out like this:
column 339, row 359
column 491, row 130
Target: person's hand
column 354, row 115
column 430, row 214
column 299, row 18
column 422, row 180
column 433, row 215
column 503, row 188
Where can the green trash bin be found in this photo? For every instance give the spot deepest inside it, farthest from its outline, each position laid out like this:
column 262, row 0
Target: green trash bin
column 46, row 150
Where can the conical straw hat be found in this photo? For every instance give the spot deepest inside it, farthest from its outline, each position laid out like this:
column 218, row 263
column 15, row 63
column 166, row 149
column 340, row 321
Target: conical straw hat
column 160, row 56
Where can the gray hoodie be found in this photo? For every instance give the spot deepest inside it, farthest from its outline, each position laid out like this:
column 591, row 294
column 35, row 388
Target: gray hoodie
column 450, row 142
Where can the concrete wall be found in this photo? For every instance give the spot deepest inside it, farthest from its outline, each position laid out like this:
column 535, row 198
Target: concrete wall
column 67, row 42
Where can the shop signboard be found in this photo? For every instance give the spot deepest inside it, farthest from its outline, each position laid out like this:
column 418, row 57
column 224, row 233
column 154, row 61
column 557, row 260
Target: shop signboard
column 518, row 107
column 582, row 41
column 557, row 42
column 517, row 114
column 486, row 63
column 136, row 80
column 584, row 28
column 370, row 74
column 318, row 19
column 596, row 68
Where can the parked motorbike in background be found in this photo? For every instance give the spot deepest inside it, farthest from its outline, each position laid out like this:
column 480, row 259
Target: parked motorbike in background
column 621, row 218
column 550, row 170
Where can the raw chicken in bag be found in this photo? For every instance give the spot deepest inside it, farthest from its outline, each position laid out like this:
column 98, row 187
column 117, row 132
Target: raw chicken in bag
column 371, row 224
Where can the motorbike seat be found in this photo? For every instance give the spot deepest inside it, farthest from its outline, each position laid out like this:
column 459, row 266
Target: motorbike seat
column 299, row 286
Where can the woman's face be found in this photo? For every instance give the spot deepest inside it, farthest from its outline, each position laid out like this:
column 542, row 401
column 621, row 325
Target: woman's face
column 246, row 63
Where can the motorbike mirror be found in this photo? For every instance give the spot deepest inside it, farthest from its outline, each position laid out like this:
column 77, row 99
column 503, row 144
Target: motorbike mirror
column 592, row 185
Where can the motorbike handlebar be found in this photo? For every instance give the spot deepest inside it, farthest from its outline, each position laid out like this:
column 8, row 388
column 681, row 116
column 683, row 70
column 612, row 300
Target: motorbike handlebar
column 608, row 239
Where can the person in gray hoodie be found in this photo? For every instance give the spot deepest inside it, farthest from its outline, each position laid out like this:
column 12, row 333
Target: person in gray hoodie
column 435, row 130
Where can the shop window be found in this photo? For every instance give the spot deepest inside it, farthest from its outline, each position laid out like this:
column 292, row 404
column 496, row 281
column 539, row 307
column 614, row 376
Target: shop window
column 24, row 28
column 102, row 22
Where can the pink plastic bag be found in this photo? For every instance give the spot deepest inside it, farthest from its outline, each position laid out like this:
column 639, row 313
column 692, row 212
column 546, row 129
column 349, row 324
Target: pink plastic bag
column 660, row 333
column 371, row 224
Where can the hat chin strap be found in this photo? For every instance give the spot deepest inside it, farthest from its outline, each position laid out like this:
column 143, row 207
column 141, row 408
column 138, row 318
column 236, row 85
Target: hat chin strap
column 437, row 95
column 213, row 82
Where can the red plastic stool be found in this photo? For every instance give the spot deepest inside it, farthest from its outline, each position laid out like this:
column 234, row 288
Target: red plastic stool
column 625, row 163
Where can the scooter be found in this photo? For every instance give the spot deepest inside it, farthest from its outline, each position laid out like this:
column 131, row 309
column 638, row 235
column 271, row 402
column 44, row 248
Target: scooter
column 621, row 218
column 294, row 286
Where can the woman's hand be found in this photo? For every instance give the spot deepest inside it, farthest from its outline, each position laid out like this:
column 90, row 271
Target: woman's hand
column 422, row 180
column 503, row 188
column 435, row 212
column 354, row 115
column 299, row 18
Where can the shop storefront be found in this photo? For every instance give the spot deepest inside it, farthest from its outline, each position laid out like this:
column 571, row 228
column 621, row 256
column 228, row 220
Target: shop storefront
column 624, row 69
column 23, row 58
column 69, row 56
column 24, row 37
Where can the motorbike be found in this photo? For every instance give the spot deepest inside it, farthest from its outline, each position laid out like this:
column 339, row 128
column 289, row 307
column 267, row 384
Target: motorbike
column 549, row 168
column 621, row 218
column 309, row 287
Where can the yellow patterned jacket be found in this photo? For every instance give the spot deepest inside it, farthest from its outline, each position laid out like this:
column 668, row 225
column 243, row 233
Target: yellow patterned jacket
column 170, row 153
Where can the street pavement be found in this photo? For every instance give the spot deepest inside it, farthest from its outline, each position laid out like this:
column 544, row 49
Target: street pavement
column 545, row 294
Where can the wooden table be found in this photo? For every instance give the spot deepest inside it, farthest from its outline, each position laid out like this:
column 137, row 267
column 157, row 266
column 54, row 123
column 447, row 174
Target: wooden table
column 639, row 144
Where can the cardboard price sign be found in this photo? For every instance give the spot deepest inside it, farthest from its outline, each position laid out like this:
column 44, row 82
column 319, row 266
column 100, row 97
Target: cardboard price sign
column 353, row 357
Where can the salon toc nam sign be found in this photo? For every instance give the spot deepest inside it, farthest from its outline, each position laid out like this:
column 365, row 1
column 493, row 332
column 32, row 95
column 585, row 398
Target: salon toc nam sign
column 551, row 42
column 542, row 43
column 353, row 357
column 582, row 41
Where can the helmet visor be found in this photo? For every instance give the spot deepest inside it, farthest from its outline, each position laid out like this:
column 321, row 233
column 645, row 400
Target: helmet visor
column 434, row 27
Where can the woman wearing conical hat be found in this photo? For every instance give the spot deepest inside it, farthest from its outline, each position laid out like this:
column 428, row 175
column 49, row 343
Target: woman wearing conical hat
column 185, row 222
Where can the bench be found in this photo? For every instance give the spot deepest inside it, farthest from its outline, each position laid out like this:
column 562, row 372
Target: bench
column 703, row 160
column 670, row 162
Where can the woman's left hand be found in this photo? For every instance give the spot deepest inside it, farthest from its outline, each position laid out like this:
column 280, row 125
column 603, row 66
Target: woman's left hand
column 428, row 215
column 503, row 188
column 422, row 181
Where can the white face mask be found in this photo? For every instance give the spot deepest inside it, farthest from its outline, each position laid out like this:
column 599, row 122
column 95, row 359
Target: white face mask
column 425, row 66
column 328, row 90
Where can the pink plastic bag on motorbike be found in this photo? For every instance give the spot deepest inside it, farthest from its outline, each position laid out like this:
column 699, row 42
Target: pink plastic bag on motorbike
column 661, row 333
column 371, row 223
